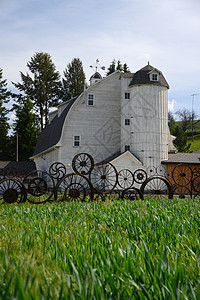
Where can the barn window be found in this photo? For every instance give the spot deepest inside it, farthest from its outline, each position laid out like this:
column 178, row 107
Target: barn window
column 127, row 95
column 90, row 100
column 155, row 77
column 127, row 148
column 127, row 121
column 76, row 140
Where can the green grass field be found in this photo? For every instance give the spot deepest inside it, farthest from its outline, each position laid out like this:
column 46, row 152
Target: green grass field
column 106, row 250
column 195, row 144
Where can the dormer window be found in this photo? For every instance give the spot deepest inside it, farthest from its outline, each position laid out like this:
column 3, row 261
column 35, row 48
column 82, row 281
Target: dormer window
column 155, row 77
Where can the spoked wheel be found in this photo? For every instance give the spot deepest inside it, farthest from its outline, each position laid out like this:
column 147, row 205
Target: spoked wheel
column 83, row 163
column 140, row 176
column 156, row 187
column 182, row 175
column 40, row 187
column 57, row 171
column 151, row 171
column 161, row 171
column 132, row 194
column 75, row 187
column 181, row 192
column 196, row 184
column 12, row 191
column 125, row 178
column 104, row 178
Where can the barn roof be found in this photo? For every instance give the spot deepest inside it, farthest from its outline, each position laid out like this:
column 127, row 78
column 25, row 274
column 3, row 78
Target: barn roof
column 185, row 158
column 26, row 166
column 142, row 77
column 51, row 134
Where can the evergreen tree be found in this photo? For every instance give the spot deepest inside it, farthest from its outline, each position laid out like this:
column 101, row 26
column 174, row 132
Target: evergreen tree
column 181, row 140
column 73, row 80
column 4, row 125
column 43, row 88
column 27, row 128
column 117, row 65
column 171, row 123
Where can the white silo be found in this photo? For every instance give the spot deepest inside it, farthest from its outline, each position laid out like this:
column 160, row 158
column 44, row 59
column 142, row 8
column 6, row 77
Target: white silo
column 144, row 107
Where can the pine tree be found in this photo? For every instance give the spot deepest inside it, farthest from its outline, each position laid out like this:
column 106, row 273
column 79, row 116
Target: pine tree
column 181, row 140
column 27, row 128
column 4, row 125
column 73, row 80
column 43, row 88
column 117, row 65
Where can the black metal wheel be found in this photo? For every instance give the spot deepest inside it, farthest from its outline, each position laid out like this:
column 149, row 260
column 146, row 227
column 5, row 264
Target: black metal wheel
column 140, row 176
column 104, row 178
column 196, row 184
column 57, row 171
column 11, row 191
column 182, row 174
column 125, row 178
column 20, row 175
column 151, row 171
column 40, row 187
column 196, row 172
column 156, row 187
column 181, row 192
column 161, row 171
column 131, row 194
column 74, row 187
column 83, row 163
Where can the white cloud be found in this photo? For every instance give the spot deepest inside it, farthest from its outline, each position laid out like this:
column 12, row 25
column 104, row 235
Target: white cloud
column 171, row 105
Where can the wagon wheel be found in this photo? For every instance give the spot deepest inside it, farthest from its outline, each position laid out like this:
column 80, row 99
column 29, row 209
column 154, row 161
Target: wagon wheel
column 161, row 171
column 132, row 194
column 156, row 187
column 83, row 163
column 125, row 178
column 40, row 187
column 140, row 176
column 196, row 184
column 57, row 171
column 104, row 177
column 182, row 175
column 74, row 187
column 151, row 171
column 10, row 172
column 12, row 191
column 181, row 192
column 114, row 195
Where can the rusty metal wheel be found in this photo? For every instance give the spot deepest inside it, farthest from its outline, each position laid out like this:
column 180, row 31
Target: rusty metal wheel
column 196, row 172
column 196, row 184
column 20, row 175
column 83, row 163
column 11, row 191
column 125, row 178
column 156, row 187
column 74, row 187
column 57, row 170
column 104, row 178
column 40, row 187
column 140, row 176
column 181, row 192
column 132, row 194
column 182, row 174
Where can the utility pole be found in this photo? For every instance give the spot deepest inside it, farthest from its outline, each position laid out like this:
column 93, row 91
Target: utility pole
column 193, row 115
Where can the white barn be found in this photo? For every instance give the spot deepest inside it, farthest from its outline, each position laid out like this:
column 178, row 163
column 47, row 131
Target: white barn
column 122, row 118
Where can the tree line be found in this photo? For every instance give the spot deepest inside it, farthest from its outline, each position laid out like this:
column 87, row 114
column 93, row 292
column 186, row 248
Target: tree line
column 39, row 90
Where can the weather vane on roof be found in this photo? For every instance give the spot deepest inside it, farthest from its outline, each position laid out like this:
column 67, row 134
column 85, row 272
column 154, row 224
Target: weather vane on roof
column 97, row 66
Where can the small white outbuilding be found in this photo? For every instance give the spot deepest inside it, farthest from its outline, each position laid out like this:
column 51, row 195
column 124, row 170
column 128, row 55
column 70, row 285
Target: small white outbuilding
column 122, row 118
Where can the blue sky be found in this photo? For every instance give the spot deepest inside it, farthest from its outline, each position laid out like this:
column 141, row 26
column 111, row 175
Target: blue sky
column 165, row 33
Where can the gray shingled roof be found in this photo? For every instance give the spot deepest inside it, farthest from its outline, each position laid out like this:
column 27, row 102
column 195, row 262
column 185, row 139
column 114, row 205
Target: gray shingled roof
column 26, row 166
column 51, row 134
column 142, row 77
column 186, row 158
